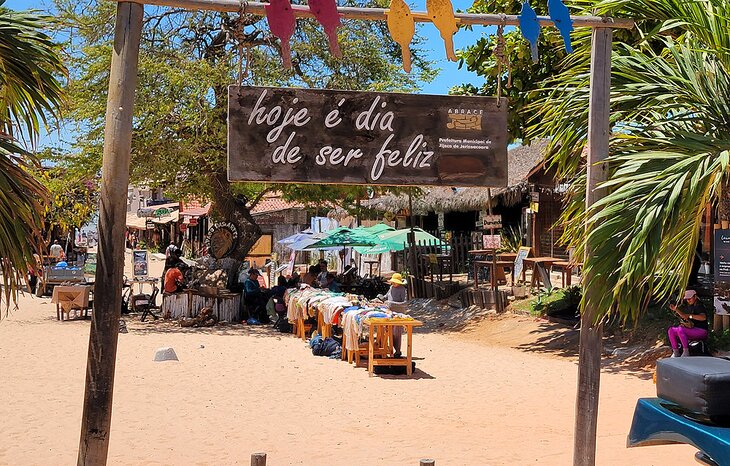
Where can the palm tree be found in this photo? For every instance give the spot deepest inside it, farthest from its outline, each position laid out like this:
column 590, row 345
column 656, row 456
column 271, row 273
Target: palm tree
column 669, row 150
column 29, row 93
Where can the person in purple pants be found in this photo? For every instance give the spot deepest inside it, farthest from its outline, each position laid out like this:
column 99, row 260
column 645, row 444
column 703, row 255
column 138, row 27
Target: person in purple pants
column 693, row 325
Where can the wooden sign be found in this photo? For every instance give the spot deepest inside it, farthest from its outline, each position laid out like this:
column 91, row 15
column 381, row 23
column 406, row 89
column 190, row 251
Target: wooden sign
column 492, row 222
column 140, row 263
column 491, row 241
column 222, row 240
column 345, row 137
column 522, row 253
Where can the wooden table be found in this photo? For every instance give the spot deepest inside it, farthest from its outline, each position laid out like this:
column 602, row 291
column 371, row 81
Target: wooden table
column 481, row 252
column 371, row 264
column 507, row 256
column 71, row 298
column 534, row 262
column 384, row 326
column 566, row 270
column 499, row 265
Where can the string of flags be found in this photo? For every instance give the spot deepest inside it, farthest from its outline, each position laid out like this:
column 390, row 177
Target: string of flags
column 401, row 25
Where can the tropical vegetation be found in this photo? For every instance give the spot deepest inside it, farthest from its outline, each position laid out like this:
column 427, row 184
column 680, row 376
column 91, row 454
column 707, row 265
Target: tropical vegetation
column 669, row 147
column 30, row 92
column 187, row 61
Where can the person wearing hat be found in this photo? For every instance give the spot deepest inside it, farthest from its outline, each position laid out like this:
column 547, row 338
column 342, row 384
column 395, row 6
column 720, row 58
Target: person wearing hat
column 255, row 296
column 397, row 294
column 693, row 325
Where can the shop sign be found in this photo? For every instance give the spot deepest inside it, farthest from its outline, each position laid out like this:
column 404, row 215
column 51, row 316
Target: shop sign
column 139, row 263
column 372, row 138
column 162, row 212
column 193, row 221
column 492, row 222
column 222, row 239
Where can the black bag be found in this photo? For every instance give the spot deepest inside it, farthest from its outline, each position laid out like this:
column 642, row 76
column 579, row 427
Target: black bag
column 283, row 326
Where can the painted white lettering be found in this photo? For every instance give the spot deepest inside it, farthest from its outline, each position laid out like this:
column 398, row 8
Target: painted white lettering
column 321, row 158
column 377, row 171
column 363, row 120
column 332, row 119
column 284, row 154
column 352, row 154
column 258, row 110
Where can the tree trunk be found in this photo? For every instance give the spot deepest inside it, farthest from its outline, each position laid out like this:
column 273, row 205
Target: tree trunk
column 233, row 209
column 97, row 412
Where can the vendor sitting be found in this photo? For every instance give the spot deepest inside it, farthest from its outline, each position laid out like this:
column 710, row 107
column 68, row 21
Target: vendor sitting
column 693, row 325
column 397, row 294
column 174, row 280
column 255, row 296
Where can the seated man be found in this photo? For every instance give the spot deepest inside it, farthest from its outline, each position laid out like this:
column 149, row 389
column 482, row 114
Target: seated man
column 174, row 280
column 255, row 296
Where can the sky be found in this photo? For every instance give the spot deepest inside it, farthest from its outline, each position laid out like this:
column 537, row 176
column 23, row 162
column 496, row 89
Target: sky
column 449, row 76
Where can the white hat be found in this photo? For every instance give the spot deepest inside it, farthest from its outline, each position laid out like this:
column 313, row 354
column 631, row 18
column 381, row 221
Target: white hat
column 690, row 294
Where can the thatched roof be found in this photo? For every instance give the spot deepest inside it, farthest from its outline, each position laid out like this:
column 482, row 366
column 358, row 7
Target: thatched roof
column 520, row 161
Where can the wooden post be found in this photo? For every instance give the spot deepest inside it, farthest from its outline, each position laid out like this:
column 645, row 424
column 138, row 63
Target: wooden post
column 258, row 459
column 589, row 361
column 427, row 462
column 97, row 412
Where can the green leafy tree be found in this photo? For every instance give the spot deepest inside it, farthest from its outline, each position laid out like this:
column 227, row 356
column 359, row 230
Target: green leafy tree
column 187, row 60
column 29, row 91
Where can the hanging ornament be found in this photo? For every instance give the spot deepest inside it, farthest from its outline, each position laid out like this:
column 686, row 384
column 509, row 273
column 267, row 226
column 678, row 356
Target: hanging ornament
column 561, row 17
column 441, row 13
column 282, row 23
column 530, row 28
column 325, row 11
column 402, row 27
column 502, row 59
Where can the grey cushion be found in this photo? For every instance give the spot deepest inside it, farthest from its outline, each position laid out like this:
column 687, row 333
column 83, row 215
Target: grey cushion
column 700, row 384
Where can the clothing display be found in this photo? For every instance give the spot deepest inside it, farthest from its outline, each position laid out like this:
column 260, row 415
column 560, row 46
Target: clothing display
column 346, row 310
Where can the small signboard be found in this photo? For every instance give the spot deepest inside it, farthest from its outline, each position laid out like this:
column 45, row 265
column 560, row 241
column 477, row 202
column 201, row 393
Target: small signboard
column 492, row 241
column 372, row 138
column 722, row 272
column 222, row 239
column 140, row 264
column 90, row 264
column 544, row 276
column 492, row 222
column 522, row 254
column 535, row 196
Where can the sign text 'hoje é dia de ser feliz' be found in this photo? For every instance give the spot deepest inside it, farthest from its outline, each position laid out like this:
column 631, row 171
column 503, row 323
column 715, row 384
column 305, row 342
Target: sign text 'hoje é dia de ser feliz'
column 345, row 137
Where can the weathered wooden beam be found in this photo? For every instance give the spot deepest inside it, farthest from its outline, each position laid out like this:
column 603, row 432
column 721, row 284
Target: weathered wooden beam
column 97, row 412
column 379, row 14
column 589, row 359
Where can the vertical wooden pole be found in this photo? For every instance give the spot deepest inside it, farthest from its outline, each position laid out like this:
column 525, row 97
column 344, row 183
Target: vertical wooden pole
column 589, row 361
column 258, row 459
column 97, row 412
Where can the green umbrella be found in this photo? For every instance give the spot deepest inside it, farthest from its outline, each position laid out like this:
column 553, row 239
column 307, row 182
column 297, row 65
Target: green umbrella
column 398, row 240
column 345, row 237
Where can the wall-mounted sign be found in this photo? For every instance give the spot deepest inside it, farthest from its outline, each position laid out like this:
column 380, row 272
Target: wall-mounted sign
column 722, row 272
column 139, row 263
column 345, row 137
column 90, row 264
column 222, row 240
column 161, row 212
column 492, row 222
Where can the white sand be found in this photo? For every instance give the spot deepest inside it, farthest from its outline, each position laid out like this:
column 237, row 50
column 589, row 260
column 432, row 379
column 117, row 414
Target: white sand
column 249, row 390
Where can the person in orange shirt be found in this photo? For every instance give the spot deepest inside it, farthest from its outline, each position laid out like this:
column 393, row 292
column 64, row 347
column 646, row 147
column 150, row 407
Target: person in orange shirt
column 174, row 280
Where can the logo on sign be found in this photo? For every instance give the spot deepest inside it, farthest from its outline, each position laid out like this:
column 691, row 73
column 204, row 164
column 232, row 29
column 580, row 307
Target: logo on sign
column 466, row 119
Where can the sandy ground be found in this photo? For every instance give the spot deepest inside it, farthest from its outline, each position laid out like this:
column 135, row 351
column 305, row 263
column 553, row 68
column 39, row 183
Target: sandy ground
column 493, row 394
